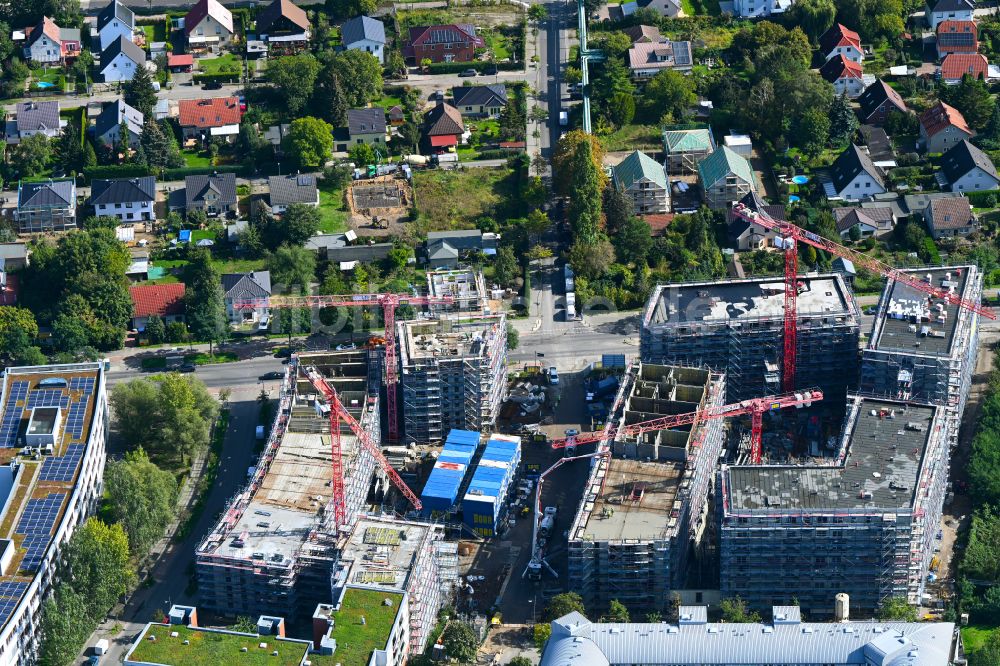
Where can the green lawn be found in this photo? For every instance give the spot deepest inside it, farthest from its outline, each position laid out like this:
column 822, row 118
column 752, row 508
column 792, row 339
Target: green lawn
column 155, row 32
column 974, row 635
column 356, row 641
column 227, row 64
column 201, row 234
column 389, row 101
column 194, row 158
column 55, row 76
column 456, row 199
column 333, row 216
column 238, row 265
column 634, row 137
column 211, row 647
column 499, row 45
column 688, row 8
column 202, row 358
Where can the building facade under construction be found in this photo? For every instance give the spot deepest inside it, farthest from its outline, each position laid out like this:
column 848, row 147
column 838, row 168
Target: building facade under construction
column 861, row 521
column 466, row 288
column 644, row 508
column 274, row 548
column 736, row 327
column 453, row 374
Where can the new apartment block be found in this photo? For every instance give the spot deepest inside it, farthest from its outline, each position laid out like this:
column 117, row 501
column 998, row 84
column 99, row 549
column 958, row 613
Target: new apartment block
column 644, row 509
column 453, row 374
column 465, row 287
column 861, row 522
column 274, row 548
column 737, row 327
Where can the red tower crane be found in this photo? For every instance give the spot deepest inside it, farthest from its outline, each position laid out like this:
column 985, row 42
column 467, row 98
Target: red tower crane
column 388, row 303
column 755, row 407
column 339, row 413
column 791, row 235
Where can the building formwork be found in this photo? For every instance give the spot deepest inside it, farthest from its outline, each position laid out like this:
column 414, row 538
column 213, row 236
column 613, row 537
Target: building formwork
column 736, row 327
column 644, row 509
column 274, row 548
column 863, row 524
column 453, row 374
column 466, row 288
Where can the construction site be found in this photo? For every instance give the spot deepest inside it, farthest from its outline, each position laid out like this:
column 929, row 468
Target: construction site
column 465, row 287
column 379, row 206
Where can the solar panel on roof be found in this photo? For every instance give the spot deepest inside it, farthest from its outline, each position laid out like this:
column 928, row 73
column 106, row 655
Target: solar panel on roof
column 62, row 468
column 36, row 525
column 12, row 414
column 10, row 594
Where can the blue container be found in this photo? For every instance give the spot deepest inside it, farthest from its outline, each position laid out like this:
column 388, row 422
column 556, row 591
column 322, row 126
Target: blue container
column 484, row 503
column 441, row 489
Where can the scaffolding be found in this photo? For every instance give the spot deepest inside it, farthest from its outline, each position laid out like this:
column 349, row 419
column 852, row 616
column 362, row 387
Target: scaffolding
column 465, row 287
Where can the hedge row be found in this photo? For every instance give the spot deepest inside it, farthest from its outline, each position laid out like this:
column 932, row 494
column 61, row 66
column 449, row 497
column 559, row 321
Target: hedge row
column 979, row 199
column 458, row 67
column 498, row 153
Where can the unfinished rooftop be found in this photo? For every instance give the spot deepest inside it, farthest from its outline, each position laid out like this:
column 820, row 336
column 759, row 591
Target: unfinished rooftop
column 382, row 553
column 446, row 338
column 467, row 288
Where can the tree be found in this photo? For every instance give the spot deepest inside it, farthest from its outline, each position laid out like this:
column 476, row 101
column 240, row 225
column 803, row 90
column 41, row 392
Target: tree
column 669, row 92
column 460, row 642
column 205, row 304
column 565, row 153
column 843, row 121
column 407, row 139
column 513, row 337
column 537, row 252
column 245, row 625
column 249, row 142
column 101, row 222
column 519, row 660
column 141, row 498
column 362, row 154
column 814, row 17
column 972, row 98
column 292, row 79
column 65, row 626
column 329, row 99
column 735, row 610
column 541, row 633
column 395, row 65
column 855, row 233
column 564, row 604
column 310, row 141
column 156, row 330
column 898, row 609
column 619, row 208
column 633, row 242
column 159, row 147
column 812, row 130
column 654, row 617
column 622, row 109
column 512, row 121
column 988, row 653
column 138, row 92
column 69, row 148
column 293, row 267
column 617, row 612
column 177, row 332
column 360, row 76
column 505, row 268
column 97, row 564
column 298, row 224
column 31, row 156
column 591, row 260
column 585, row 214
column 14, row 320
column 538, row 13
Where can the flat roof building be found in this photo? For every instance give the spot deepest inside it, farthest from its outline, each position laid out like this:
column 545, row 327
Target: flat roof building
column 466, row 287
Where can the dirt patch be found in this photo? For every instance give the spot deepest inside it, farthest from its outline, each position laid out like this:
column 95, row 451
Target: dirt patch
column 379, row 206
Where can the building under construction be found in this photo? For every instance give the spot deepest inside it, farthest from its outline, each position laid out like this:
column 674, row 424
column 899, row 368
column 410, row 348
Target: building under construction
column 862, row 521
column 644, row 509
column 453, row 374
column 737, row 326
column 274, row 548
column 466, row 287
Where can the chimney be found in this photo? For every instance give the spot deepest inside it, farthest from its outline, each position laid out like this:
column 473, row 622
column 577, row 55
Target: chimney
column 842, row 607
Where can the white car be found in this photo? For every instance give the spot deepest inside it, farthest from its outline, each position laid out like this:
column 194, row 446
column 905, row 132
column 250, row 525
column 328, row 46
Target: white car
column 347, row 347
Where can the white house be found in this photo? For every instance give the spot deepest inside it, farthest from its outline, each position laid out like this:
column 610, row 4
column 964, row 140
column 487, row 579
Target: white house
column 949, row 10
column 846, row 76
column 247, row 296
column 208, row 23
column 759, row 8
column 108, row 127
column 48, row 43
column 128, row 199
column 364, row 34
column 668, row 8
column 120, row 60
column 966, row 168
column 116, row 20
column 839, row 40
column 854, row 177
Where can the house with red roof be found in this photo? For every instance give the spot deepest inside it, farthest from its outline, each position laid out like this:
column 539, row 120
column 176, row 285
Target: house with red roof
column 956, row 65
column 444, row 128
column 156, row 300
column 208, row 24
column 846, row 76
column 48, row 43
column 957, row 37
column 180, row 62
column 218, row 117
column 943, row 126
column 456, row 42
column 841, row 41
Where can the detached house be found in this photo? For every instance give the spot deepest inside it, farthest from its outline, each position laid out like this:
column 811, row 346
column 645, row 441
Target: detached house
column 950, row 217
column 725, row 177
column 247, row 297
column 645, row 181
column 759, row 8
column 685, row 148
column 35, row 118
column 48, row 43
column 217, row 117
column 116, row 20
column 367, row 126
column 869, row 221
column 966, row 168
column 957, row 37
column 846, row 76
column 480, row 101
column 840, row 41
column 208, row 23
column 215, row 194
column 877, row 101
column 443, row 43
column 668, row 8
column 942, row 126
column 120, row 60
column 46, row 206
column 444, row 127
column 364, row 34
column 956, row 65
column 643, row 34
column 744, row 235
column 107, row 129
column 128, row 199
column 288, row 190
column 283, row 25
column 646, row 60
column 165, row 301
column 854, row 176
column 943, row 10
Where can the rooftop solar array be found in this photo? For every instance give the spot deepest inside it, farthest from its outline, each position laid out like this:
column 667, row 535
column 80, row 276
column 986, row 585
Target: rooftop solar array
column 12, row 413
column 10, row 593
column 62, row 468
column 36, row 525
column 85, row 384
column 48, row 398
column 76, row 419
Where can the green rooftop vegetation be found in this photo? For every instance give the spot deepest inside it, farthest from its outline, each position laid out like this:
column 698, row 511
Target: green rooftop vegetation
column 356, row 641
column 210, row 648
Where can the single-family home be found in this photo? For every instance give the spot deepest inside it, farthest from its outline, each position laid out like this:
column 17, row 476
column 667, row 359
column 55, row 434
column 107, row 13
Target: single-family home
column 741, row 144
column 138, row 269
column 48, row 205
column 966, row 168
column 444, row 127
column 14, row 256
column 107, row 128
column 643, row 34
column 367, row 126
column 841, row 41
column 877, row 101
column 341, row 247
column 956, row 65
column 35, row 118
column 759, row 8
column 47, row 43
column 120, row 60
column 869, row 221
column 957, row 37
column 947, row 218
column 480, row 101
column 846, row 76
column 208, row 23
column 128, row 199
column 165, row 301
column 455, row 42
column 645, row 60
column 444, row 249
column 645, row 181
column 284, row 26
column 854, row 176
column 942, row 126
column 218, row 117
column 396, row 115
column 215, row 194
column 247, row 296
column 743, row 235
column 725, row 177
column 115, row 20
column 293, row 189
column 667, row 8
column 441, row 255
column 684, row 148
column 944, row 10
column 364, row 33
column 180, row 62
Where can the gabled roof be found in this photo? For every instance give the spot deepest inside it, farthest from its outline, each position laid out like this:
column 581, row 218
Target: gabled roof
column 489, row 95
column 122, row 45
column 362, row 28
column 954, row 213
column 737, row 225
column 956, row 65
column 292, row 189
column 180, row 59
column 942, row 116
column 114, row 113
column 115, row 10
column 46, row 193
column 45, row 27
column 208, row 8
column 840, row 67
column 686, row 141
column 636, row 166
column 278, row 9
column 722, row 162
column 953, row 32
column 444, row 119
column 157, row 299
column 205, row 113
column 123, row 190
column 879, row 217
column 876, row 95
column 366, row 121
column 224, row 184
column 855, row 216
column 954, row 6
column 441, row 249
column 647, row 55
column 247, row 286
column 838, row 35
column 37, row 116
column 849, row 164
column 646, row 33
column 962, row 158
column 445, row 34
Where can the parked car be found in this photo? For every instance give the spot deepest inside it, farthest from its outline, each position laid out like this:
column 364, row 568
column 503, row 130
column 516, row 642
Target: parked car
column 553, row 376
column 274, row 374
column 212, row 85
column 468, row 72
column 187, row 367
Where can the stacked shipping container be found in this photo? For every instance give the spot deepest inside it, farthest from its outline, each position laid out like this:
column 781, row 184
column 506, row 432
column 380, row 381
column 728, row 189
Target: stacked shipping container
column 445, row 480
column 484, row 502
